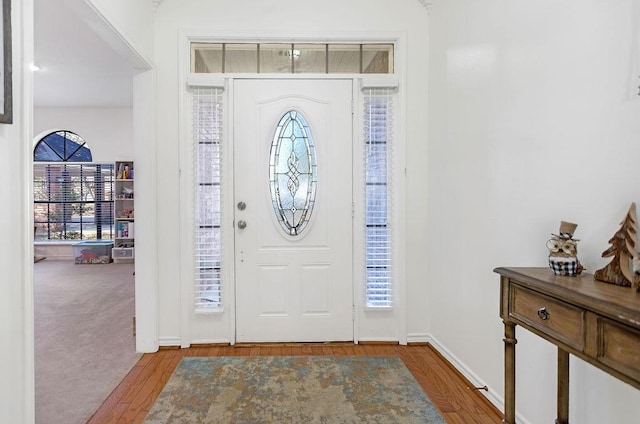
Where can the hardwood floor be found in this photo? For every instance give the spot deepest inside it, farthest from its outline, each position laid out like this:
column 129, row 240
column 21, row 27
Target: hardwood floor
column 449, row 391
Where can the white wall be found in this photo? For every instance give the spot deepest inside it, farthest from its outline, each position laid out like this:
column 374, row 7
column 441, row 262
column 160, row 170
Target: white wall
column 269, row 19
column 146, row 207
column 107, row 131
column 127, row 26
column 533, row 120
column 16, row 322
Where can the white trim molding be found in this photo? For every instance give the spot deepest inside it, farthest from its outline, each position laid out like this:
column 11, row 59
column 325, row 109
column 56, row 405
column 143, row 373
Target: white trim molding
column 380, row 81
column 170, row 342
column 418, row 338
column 490, row 394
column 211, row 341
column 205, row 80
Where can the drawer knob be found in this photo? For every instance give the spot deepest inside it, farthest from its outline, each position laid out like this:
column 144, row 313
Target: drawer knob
column 543, row 313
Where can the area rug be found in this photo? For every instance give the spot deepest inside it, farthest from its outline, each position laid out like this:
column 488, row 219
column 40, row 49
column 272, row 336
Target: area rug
column 293, row 389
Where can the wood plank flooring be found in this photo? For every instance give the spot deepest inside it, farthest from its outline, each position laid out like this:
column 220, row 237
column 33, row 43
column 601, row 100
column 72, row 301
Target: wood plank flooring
column 449, row 391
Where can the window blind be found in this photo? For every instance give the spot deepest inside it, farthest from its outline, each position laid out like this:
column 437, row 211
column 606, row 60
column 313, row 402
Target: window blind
column 207, row 139
column 378, row 125
column 73, row 201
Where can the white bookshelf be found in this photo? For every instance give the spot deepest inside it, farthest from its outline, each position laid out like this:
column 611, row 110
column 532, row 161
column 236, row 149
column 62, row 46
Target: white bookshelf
column 124, row 192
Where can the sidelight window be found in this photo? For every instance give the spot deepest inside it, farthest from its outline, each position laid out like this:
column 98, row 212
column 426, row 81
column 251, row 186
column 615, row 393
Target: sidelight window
column 378, row 120
column 207, row 144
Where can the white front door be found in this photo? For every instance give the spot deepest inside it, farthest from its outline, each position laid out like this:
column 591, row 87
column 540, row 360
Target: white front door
column 293, row 236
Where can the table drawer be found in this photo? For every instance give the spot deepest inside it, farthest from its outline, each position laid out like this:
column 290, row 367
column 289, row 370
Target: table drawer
column 549, row 316
column 619, row 347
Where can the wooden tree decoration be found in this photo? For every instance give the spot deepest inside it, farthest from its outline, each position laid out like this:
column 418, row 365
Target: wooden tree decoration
column 623, row 250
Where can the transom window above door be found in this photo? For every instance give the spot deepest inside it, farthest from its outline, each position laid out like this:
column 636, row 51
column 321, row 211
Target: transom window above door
column 292, row 58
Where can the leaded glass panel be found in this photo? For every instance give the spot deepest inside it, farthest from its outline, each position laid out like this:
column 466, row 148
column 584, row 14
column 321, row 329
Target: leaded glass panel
column 293, row 173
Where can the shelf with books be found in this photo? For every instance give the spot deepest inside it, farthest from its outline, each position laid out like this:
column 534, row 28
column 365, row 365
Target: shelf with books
column 124, row 194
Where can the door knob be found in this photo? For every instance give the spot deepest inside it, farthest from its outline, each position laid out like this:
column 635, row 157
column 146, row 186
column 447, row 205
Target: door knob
column 242, row 224
column 242, row 206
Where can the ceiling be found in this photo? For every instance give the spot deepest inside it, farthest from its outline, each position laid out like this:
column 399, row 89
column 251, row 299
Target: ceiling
column 78, row 68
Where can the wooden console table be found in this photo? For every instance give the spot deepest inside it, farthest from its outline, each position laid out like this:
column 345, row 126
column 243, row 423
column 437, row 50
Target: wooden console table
column 595, row 321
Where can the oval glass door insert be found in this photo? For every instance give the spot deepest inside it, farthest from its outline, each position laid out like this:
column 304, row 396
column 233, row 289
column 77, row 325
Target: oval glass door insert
column 293, row 173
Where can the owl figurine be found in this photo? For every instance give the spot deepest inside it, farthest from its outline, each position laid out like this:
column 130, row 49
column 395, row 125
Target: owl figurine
column 563, row 251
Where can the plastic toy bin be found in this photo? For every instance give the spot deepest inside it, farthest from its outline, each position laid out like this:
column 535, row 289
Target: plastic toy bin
column 92, row 252
column 123, row 253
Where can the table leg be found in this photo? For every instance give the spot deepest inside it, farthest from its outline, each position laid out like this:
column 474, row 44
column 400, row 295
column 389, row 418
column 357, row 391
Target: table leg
column 509, row 373
column 563, row 387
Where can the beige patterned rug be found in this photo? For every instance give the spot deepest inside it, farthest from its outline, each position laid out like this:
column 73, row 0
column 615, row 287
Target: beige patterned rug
column 293, row 389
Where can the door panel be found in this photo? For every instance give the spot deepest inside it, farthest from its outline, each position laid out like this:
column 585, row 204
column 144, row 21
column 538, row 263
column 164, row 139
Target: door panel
column 293, row 287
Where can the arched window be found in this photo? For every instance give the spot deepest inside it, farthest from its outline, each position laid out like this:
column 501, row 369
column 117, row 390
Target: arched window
column 62, row 146
column 72, row 196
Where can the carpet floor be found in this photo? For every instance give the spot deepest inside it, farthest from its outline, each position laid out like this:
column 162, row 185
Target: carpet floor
column 293, row 389
column 84, row 343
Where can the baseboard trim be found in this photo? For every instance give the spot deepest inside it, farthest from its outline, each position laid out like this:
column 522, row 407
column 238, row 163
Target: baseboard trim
column 169, row 341
column 176, row 342
column 210, row 342
column 418, row 338
column 490, row 395
column 378, row 340
column 458, row 364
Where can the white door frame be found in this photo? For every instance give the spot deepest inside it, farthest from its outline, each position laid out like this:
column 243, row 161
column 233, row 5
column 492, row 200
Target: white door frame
column 396, row 319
